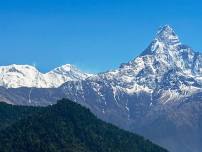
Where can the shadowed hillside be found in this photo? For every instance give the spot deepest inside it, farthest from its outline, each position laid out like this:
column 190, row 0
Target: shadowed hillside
column 64, row 127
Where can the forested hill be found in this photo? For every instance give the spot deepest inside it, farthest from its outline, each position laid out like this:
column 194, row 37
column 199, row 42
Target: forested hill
column 64, row 127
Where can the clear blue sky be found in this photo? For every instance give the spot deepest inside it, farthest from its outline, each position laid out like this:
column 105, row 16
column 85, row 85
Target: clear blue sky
column 94, row 35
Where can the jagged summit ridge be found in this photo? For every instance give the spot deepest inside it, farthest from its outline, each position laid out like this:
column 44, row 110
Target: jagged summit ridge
column 15, row 76
column 167, row 35
column 165, row 41
column 166, row 62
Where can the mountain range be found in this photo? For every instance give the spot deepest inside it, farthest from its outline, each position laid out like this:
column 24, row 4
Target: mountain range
column 158, row 94
column 15, row 76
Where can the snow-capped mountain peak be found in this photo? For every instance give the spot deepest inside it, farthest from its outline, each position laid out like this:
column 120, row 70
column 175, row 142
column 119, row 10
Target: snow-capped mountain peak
column 15, row 76
column 167, row 35
column 65, row 68
column 166, row 41
column 65, row 73
column 165, row 58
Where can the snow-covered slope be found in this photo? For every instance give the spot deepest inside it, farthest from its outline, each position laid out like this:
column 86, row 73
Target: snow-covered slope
column 15, row 76
column 166, row 66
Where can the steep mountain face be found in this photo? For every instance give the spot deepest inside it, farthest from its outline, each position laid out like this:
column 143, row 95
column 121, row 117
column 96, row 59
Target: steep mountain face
column 16, row 76
column 166, row 71
column 166, row 64
column 65, row 127
column 158, row 94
